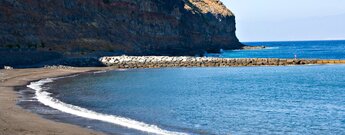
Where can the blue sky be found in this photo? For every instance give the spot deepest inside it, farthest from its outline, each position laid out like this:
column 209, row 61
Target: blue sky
column 288, row 20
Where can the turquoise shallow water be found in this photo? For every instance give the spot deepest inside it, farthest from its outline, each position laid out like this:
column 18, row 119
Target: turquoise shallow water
column 240, row 100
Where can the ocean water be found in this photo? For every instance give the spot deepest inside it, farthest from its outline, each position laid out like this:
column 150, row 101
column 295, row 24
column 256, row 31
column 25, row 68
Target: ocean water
column 302, row 49
column 238, row 100
column 232, row 100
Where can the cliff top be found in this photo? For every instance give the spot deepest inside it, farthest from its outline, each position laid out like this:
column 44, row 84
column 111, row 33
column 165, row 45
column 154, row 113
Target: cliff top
column 215, row 7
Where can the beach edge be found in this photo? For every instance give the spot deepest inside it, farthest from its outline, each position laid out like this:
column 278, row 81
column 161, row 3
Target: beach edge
column 16, row 120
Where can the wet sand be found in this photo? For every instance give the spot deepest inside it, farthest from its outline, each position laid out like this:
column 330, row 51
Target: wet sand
column 16, row 121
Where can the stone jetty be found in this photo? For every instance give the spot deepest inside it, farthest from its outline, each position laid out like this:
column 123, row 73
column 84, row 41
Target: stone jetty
column 182, row 61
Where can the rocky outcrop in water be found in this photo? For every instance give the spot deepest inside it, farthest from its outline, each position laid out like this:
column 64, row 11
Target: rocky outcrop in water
column 132, row 27
column 253, row 47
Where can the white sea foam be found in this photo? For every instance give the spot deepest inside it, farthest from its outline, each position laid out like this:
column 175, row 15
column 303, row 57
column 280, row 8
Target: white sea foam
column 121, row 69
column 271, row 48
column 28, row 100
column 44, row 97
column 98, row 72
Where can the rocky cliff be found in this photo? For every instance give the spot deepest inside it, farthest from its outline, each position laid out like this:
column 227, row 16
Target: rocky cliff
column 131, row 27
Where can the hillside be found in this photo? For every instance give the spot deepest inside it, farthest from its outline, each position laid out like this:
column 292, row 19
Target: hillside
column 132, row 27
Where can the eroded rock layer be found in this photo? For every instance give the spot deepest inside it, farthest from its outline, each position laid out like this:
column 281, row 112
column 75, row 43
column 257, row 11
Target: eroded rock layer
column 132, row 27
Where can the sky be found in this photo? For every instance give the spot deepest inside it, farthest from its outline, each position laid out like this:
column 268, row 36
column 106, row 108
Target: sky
column 288, row 20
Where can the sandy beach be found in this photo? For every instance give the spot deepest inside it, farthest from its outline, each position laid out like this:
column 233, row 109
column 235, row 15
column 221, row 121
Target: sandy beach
column 16, row 121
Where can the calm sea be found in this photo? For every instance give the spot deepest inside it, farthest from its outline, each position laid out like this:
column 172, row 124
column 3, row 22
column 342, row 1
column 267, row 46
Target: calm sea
column 234, row 100
column 302, row 49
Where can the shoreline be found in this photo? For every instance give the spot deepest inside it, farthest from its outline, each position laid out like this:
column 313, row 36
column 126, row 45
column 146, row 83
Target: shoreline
column 16, row 120
column 76, row 115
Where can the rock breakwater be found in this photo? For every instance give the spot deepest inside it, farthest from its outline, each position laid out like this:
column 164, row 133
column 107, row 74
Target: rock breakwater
column 166, row 61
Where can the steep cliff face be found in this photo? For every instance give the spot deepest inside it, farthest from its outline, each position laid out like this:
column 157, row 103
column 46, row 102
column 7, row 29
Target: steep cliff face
column 132, row 27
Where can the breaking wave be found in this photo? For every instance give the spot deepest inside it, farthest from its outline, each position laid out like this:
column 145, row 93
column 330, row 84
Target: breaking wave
column 44, row 97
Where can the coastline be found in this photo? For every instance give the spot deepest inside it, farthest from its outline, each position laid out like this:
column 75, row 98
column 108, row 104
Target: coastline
column 16, row 120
